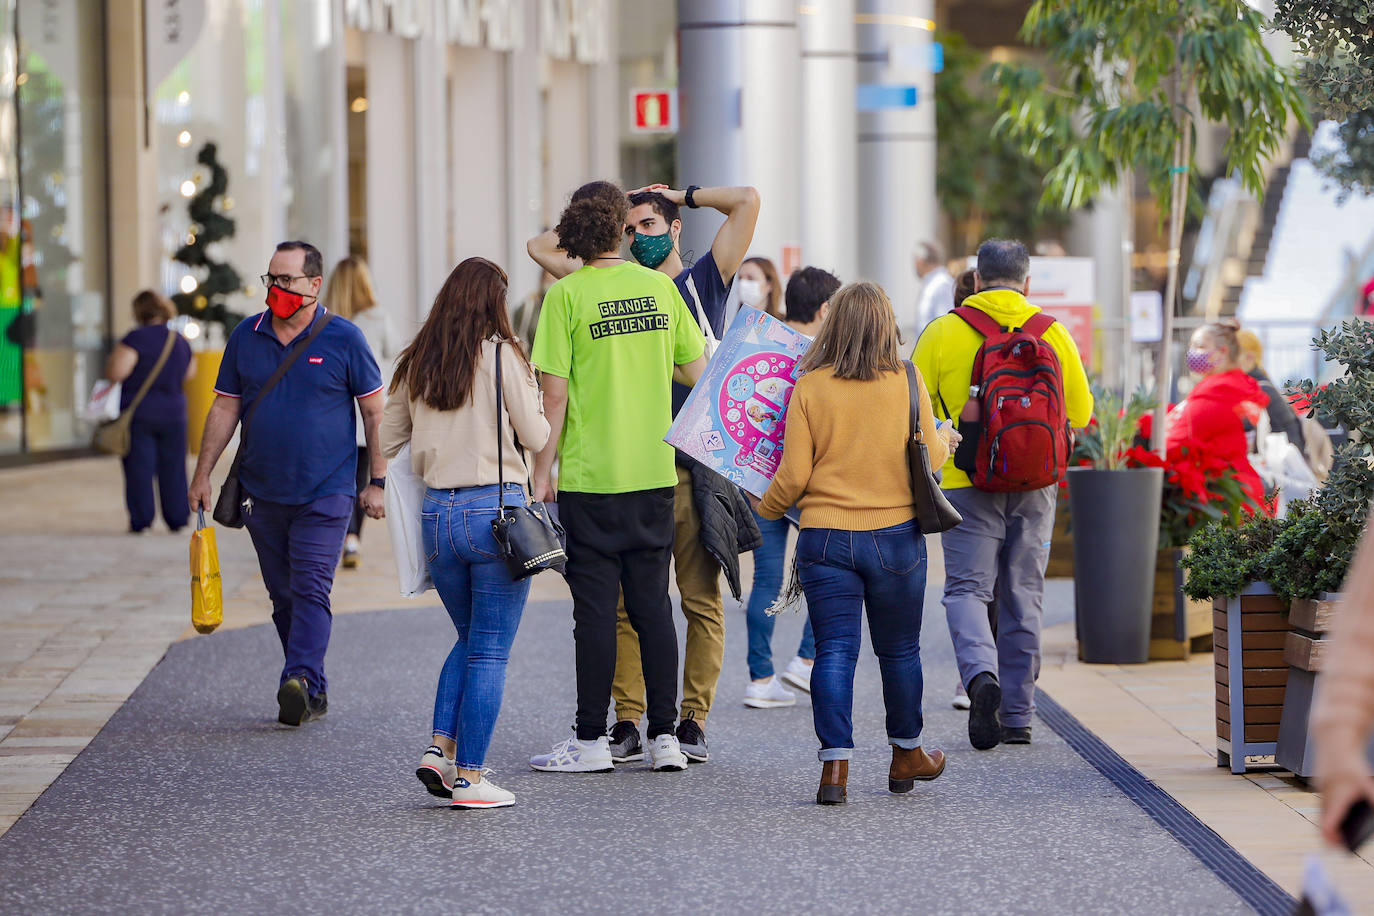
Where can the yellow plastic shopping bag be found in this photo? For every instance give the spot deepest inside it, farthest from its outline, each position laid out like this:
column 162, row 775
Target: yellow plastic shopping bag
column 207, row 595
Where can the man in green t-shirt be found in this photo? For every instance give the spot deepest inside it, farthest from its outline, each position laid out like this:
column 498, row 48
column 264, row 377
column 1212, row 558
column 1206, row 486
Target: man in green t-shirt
column 611, row 338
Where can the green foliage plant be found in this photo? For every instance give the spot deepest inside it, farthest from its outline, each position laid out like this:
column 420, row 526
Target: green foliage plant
column 209, row 225
column 1223, row 559
column 1313, row 552
column 1127, row 84
column 1103, row 445
column 1336, row 40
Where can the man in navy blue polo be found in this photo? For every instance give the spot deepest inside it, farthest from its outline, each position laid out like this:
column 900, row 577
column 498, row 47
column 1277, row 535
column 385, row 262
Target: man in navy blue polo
column 299, row 458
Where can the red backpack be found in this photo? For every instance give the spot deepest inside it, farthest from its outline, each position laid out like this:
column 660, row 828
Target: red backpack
column 1015, row 425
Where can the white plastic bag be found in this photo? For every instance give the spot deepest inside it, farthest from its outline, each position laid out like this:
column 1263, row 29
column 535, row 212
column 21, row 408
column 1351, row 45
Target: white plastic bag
column 1284, row 470
column 103, row 404
column 405, row 496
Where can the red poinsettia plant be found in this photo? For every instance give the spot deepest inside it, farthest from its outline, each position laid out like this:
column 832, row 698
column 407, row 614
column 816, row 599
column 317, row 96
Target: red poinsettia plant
column 1198, row 490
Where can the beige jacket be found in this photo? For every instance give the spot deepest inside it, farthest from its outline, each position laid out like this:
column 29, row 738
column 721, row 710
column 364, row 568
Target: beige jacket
column 451, row 449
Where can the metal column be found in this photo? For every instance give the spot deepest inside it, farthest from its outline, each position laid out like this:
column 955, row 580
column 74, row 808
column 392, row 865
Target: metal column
column 896, row 118
column 740, row 90
column 829, row 151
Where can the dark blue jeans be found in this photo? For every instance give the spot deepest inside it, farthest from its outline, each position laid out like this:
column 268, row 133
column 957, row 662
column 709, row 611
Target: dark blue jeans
column 156, row 450
column 768, row 575
column 841, row 573
column 485, row 605
column 298, row 551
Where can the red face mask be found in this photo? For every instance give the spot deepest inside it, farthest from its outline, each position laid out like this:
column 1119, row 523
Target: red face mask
column 283, row 302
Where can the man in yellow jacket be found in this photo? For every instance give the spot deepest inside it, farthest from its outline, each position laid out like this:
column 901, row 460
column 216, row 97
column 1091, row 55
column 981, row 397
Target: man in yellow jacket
column 1002, row 546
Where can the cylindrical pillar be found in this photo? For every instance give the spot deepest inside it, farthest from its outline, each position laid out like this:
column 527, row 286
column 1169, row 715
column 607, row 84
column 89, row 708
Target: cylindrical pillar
column 740, row 91
column 896, row 102
column 829, row 151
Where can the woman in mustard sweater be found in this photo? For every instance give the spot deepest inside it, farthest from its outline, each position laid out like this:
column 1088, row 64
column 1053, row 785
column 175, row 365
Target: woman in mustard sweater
column 844, row 463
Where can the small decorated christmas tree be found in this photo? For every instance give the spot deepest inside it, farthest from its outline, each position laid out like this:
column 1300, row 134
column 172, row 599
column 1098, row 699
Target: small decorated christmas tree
column 209, row 225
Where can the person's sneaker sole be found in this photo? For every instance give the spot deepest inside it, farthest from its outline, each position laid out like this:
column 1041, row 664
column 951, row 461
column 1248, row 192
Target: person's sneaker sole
column 293, row 703
column 696, row 756
column 628, row 758
column 481, row 805
column 984, row 731
column 672, row 766
column 564, row 769
column 789, row 680
column 434, row 782
column 757, row 703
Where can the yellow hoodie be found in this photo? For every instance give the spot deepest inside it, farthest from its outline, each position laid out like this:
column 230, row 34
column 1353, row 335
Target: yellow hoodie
column 944, row 357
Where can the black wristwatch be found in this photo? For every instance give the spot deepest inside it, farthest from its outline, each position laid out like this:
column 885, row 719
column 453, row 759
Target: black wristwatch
column 378, row 482
column 687, row 196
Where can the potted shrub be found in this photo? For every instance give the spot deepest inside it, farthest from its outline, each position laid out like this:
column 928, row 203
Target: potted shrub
column 1226, row 564
column 1197, row 491
column 1115, row 511
column 1313, row 550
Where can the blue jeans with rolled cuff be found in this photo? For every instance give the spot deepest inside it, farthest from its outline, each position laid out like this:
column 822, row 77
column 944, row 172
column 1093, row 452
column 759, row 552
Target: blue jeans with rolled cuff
column 842, row 572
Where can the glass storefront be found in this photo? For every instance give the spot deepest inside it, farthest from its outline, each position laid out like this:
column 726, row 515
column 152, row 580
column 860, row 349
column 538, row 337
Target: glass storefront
column 53, row 270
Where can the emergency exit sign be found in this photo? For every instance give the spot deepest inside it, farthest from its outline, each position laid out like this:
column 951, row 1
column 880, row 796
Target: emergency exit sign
column 653, row 110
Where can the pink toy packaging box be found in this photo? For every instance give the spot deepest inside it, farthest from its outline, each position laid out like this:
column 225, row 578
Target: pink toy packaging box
column 735, row 419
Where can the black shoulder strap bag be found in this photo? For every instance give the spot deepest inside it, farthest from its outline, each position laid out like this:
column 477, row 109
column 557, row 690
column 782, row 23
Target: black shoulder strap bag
column 229, row 507
column 933, row 511
column 530, row 540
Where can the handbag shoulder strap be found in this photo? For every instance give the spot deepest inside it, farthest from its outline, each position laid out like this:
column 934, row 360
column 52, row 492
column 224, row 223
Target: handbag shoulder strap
column 913, row 412
column 152, row 376
column 285, row 364
column 500, row 438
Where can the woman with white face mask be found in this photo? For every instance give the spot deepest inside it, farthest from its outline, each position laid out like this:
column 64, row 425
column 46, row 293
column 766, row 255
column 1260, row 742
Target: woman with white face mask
column 759, row 287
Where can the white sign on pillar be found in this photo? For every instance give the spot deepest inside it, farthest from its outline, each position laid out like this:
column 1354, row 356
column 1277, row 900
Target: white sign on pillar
column 170, row 28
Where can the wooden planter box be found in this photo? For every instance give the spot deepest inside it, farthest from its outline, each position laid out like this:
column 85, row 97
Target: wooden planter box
column 1061, row 541
column 1178, row 625
column 1304, row 649
column 1249, row 632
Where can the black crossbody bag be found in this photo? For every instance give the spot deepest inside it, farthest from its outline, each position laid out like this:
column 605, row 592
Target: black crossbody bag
column 229, row 507
column 530, row 540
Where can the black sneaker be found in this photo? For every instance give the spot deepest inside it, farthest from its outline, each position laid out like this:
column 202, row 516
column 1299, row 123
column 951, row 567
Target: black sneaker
column 319, row 705
column 625, row 744
column 1012, row 735
column 984, row 725
column 693, row 741
column 293, row 701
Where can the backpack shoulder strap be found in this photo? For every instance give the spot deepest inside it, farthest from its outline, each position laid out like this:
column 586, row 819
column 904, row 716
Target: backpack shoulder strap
column 979, row 320
column 1038, row 324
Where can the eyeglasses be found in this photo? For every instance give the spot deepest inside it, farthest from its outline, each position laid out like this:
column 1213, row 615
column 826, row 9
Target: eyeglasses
column 282, row 280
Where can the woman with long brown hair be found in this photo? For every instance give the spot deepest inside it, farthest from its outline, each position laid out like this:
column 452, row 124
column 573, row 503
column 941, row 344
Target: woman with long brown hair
column 443, row 401
column 759, row 287
column 351, row 296
column 844, row 463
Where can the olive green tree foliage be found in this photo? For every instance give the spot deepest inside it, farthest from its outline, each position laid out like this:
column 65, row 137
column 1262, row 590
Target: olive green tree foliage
column 208, row 301
column 1336, row 39
column 1127, row 84
column 986, row 188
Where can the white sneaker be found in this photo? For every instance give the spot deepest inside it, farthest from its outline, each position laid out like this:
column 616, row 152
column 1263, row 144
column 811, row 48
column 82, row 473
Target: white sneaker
column 484, row 794
column 798, row 674
column 768, row 695
column 961, row 700
column 667, row 753
column 437, row 772
column 573, row 756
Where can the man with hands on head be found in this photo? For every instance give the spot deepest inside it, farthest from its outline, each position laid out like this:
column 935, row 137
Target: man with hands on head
column 653, row 228
column 297, row 473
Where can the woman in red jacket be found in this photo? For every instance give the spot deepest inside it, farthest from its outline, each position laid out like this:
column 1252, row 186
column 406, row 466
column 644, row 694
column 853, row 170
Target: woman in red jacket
column 1213, row 416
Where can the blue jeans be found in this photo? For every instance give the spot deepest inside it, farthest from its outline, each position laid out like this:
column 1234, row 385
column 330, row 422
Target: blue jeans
column 298, row 551
column 485, row 604
column 841, row 573
column 768, row 575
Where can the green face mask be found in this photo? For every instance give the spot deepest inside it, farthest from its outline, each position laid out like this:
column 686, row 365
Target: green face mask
column 652, row 250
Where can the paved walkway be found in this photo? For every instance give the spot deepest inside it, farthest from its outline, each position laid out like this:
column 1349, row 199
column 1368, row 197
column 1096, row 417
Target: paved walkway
column 193, row 763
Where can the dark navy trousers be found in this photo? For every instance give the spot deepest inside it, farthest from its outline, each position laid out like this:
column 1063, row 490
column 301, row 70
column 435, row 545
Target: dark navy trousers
column 298, row 551
column 156, row 450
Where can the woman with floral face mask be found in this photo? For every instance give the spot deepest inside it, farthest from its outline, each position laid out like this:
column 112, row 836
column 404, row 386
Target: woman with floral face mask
column 1212, row 418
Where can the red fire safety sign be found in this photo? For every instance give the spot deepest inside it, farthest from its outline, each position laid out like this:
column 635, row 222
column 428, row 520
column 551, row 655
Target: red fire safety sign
column 654, row 110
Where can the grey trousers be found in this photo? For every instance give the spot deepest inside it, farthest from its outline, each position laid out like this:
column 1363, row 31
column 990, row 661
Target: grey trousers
column 1000, row 550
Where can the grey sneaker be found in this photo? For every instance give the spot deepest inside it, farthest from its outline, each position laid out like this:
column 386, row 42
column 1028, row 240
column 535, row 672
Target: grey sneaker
column 625, row 744
column 437, row 772
column 693, row 741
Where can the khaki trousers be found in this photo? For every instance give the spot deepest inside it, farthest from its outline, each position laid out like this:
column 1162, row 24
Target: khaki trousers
column 698, row 581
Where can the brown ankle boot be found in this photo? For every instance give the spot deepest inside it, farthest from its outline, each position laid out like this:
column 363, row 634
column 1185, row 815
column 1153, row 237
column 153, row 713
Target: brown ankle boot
column 834, row 776
column 909, row 766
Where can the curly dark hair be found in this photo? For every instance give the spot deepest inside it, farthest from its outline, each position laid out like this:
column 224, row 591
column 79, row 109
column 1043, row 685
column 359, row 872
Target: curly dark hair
column 593, row 221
